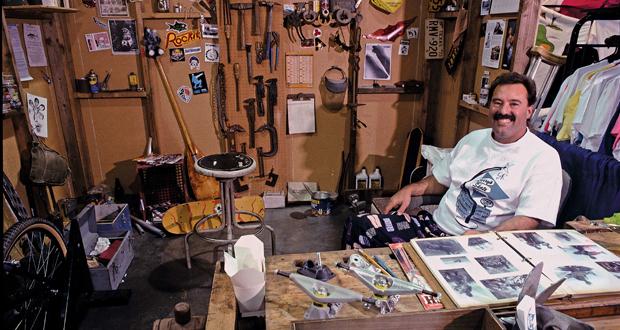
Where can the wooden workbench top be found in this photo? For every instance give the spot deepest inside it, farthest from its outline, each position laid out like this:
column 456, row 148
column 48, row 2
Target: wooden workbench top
column 286, row 302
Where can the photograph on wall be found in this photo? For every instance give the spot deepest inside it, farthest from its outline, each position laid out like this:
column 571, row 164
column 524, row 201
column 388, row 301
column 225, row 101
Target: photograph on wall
column 509, row 44
column 199, row 82
column 493, row 42
column 123, row 34
column 504, row 6
column 98, row 41
column 378, row 62
column 113, row 8
column 485, row 7
column 37, row 113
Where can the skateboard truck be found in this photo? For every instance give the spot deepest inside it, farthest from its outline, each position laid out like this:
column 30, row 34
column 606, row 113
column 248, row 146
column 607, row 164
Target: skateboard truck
column 315, row 270
column 327, row 299
column 386, row 289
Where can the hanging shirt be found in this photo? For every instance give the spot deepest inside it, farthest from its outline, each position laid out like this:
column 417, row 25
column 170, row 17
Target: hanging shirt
column 597, row 118
column 590, row 98
column 616, row 146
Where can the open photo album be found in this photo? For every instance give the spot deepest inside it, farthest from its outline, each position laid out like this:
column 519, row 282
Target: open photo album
column 490, row 268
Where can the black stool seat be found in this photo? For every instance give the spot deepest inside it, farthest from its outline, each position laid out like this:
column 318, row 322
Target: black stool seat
column 225, row 166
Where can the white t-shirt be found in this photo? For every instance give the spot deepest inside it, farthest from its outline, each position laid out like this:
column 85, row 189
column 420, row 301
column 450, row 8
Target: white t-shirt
column 489, row 182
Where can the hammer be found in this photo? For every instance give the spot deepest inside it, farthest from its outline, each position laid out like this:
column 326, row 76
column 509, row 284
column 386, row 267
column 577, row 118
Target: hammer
column 240, row 7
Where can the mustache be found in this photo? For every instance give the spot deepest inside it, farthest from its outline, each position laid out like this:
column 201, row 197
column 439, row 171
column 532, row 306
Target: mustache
column 499, row 116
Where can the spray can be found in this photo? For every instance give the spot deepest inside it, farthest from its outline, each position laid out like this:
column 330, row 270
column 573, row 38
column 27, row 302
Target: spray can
column 376, row 181
column 133, row 81
column 361, row 179
column 93, row 81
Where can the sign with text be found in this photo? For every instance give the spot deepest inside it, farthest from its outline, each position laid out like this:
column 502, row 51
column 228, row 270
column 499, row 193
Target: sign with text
column 435, row 5
column 433, row 39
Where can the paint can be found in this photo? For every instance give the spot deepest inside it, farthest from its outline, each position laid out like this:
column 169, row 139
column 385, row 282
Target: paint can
column 322, row 202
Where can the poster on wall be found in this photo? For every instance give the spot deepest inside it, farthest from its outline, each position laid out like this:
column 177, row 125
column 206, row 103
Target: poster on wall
column 492, row 47
column 18, row 53
column 509, row 44
column 113, row 8
column 504, row 6
column 34, row 45
column 124, row 40
column 378, row 62
column 98, row 41
column 37, row 113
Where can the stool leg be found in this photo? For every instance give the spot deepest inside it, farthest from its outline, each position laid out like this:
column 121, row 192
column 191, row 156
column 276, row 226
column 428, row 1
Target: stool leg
column 187, row 258
column 273, row 239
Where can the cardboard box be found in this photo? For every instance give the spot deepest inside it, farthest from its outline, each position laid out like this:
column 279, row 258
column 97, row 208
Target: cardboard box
column 112, row 219
column 106, row 277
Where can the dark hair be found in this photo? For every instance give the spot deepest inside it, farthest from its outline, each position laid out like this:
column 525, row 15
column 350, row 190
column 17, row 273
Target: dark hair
column 510, row 78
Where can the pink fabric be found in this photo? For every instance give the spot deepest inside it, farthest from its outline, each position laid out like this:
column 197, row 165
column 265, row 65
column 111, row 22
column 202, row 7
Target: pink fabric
column 585, row 4
column 616, row 131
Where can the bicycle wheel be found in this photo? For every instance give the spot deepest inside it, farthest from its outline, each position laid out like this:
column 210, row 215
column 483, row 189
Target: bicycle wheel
column 34, row 268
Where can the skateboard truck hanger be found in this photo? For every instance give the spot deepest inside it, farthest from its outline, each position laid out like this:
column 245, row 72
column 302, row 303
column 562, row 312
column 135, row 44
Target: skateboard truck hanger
column 315, row 270
column 327, row 299
column 386, row 289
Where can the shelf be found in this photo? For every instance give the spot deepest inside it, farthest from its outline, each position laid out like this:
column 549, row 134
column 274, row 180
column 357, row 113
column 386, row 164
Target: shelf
column 388, row 90
column 447, row 14
column 35, row 11
column 188, row 15
column 474, row 107
column 125, row 94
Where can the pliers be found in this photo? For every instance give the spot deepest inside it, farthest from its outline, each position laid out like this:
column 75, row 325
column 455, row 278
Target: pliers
column 274, row 46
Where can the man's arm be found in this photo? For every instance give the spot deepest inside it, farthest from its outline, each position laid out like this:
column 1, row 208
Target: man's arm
column 518, row 222
column 427, row 186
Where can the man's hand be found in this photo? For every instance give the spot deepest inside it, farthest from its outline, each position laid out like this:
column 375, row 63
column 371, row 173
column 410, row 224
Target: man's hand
column 402, row 198
column 472, row 232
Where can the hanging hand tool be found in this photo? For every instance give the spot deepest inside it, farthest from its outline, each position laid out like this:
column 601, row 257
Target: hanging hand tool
column 237, row 75
column 240, row 7
column 248, row 61
column 260, row 95
column 267, row 44
column 261, row 163
column 260, row 52
column 275, row 46
column 251, row 114
column 272, row 99
column 230, row 136
column 255, row 19
column 227, row 26
column 273, row 141
column 325, row 11
column 219, row 100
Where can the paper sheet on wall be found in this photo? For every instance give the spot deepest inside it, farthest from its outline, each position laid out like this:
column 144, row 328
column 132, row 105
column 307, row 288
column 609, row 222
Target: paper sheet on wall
column 300, row 116
column 34, row 45
column 18, row 54
column 504, row 6
column 493, row 40
column 37, row 113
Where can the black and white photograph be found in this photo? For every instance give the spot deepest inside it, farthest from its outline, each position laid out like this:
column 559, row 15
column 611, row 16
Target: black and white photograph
column 565, row 237
column 592, row 252
column 496, row 264
column 459, row 280
column 123, row 33
column 112, row 8
column 505, row 287
column 455, row 260
column 479, row 243
column 378, row 62
column 485, row 7
column 440, row 247
column 611, row 266
column 209, row 31
column 534, row 240
column 509, row 44
column 579, row 273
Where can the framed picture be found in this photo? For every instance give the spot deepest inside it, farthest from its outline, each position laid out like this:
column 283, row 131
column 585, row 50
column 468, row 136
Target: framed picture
column 112, row 8
column 124, row 39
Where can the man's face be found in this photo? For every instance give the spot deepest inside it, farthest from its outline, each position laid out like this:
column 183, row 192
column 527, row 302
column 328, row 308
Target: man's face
column 509, row 112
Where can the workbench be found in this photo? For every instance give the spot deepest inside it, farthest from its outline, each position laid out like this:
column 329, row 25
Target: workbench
column 286, row 303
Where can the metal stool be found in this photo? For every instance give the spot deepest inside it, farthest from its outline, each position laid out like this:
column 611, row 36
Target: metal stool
column 226, row 168
column 537, row 56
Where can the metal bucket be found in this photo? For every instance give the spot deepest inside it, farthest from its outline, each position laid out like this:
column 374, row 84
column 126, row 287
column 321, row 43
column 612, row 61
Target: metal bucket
column 322, row 202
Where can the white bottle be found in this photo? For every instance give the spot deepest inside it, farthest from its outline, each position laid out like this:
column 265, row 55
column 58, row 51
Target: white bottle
column 376, row 181
column 361, row 179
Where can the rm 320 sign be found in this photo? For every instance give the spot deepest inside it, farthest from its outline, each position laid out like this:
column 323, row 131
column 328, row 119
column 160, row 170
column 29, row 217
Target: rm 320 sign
column 433, row 39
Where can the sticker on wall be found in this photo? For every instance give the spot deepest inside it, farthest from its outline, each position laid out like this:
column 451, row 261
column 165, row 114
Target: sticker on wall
column 181, row 39
column 177, row 55
column 194, row 63
column 123, row 34
column 184, row 93
column 98, row 41
column 177, row 26
column 212, row 53
column 209, row 31
column 192, row 50
column 100, row 23
column 378, row 62
column 113, row 8
column 37, row 113
column 199, row 82
column 412, row 33
column 403, row 48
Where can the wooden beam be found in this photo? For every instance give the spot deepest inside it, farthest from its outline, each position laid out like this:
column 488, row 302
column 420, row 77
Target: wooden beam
column 526, row 33
column 61, row 67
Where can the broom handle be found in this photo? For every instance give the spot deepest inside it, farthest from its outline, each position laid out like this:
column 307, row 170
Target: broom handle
column 189, row 144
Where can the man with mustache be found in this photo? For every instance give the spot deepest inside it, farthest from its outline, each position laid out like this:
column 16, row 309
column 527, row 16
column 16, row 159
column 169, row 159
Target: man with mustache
column 500, row 178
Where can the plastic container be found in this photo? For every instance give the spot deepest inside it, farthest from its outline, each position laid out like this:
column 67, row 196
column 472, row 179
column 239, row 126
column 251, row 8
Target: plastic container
column 361, row 179
column 376, row 180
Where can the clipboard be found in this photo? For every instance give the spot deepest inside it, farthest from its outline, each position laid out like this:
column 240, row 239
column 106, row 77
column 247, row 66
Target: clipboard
column 300, row 114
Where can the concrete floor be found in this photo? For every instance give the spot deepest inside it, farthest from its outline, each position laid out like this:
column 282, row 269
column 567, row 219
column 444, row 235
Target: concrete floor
column 158, row 277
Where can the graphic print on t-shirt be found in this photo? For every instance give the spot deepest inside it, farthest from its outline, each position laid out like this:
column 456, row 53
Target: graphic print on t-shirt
column 478, row 196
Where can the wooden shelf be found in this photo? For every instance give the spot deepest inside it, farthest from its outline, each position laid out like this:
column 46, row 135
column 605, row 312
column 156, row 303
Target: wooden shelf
column 387, row 90
column 188, row 15
column 447, row 14
column 474, row 107
column 35, row 11
column 112, row 95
